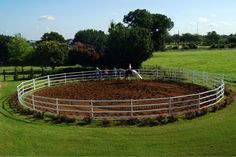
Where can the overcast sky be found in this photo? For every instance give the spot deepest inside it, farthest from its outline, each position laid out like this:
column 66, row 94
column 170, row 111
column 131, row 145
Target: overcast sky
column 32, row 18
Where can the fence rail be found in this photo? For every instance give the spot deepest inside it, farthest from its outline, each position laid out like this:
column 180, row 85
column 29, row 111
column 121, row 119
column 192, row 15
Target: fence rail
column 123, row 108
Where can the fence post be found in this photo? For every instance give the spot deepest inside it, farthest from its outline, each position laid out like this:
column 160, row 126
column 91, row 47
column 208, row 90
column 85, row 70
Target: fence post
column 223, row 89
column 199, row 102
column 65, row 77
column 4, row 75
column 57, row 106
column 33, row 105
column 170, row 105
column 34, row 83
column 91, row 106
column 131, row 108
column 49, row 84
column 157, row 74
column 82, row 76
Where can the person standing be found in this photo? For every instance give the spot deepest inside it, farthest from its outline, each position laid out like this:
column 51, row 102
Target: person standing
column 98, row 73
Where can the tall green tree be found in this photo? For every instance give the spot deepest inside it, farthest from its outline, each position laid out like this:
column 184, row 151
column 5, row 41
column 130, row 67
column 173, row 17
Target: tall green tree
column 212, row 38
column 232, row 40
column 92, row 37
column 20, row 51
column 51, row 53
column 128, row 45
column 157, row 24
column 53, row 36
column 3, row 49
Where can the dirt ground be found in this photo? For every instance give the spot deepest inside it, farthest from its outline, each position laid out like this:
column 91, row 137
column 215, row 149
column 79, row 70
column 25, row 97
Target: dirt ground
column 128, row 90
column 119, row 90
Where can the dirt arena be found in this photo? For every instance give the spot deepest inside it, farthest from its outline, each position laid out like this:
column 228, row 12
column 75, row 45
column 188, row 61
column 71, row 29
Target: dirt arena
column 80, row 96
column 119, row 90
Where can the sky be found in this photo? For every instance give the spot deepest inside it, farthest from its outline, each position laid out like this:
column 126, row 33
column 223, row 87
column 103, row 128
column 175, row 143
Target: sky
column 32, row 18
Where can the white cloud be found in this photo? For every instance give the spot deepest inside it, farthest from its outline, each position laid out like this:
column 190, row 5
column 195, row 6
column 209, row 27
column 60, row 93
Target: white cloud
column 202, row 19
column 47, row 18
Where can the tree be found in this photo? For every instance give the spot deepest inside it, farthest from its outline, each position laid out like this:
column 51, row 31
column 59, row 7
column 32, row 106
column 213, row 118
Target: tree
column 92, row 37
column 157, row 24
column 186, row 38
column 128, row 45
column 232, row 40
column 3, row 49
column 53, row 36
column 176, row 39
column 51, row 53
column 212, row 38
column 83, row 54
column 20, row 51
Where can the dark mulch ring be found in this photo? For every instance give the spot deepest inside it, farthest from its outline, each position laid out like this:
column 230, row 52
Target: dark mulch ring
column 158, row 120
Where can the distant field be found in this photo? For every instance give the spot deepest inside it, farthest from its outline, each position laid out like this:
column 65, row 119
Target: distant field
column 215, row 61
column 210, row 135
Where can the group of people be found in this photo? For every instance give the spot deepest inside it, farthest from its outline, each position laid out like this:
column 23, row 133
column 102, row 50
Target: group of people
column 112, row 73
column 115, row 73
column 106, row 73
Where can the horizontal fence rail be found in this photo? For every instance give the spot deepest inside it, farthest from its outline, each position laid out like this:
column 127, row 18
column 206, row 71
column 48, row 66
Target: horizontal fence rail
column 123, row 108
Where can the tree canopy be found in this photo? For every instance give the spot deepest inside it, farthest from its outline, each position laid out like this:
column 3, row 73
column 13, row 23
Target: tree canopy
column 4, row 55
column 92, row 37
column 53, row 36
column 157, row 24
column 128, row 45
column 20, row 50
column 212, row 38
column 51, row 53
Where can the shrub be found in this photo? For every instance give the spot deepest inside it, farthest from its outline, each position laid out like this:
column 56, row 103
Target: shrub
column 232, row 45
column 172, row 118
column 59, row 118
column 185, row 47
column 130, row 121
column 162, row 119
column 87, row 119
column 190, row 115
column 148, row 122
column 39, row 115
column 175, row 47
column 221, row 46
column 192, row 46
column 105, row 122
column 202, row 112
column 213, row 46
column 215, row 108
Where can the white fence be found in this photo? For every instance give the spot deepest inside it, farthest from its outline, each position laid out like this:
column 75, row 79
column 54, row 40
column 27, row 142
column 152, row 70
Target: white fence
column 122, row 108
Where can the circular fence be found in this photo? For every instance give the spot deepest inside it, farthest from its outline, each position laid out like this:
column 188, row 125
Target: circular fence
column 123, row 108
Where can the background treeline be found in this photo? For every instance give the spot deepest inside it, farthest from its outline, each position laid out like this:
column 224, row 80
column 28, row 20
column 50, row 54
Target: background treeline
column 132, row 41
column 193, row 41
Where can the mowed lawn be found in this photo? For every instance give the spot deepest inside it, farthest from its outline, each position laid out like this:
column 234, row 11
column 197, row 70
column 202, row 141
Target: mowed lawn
column 213, row 134
column 215, row 61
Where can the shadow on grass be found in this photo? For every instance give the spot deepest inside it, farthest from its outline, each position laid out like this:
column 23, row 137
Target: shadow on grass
column 9, row 113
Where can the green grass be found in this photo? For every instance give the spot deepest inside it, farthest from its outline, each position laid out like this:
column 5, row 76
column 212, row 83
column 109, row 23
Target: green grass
column 215, row 61
column 213, row 134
